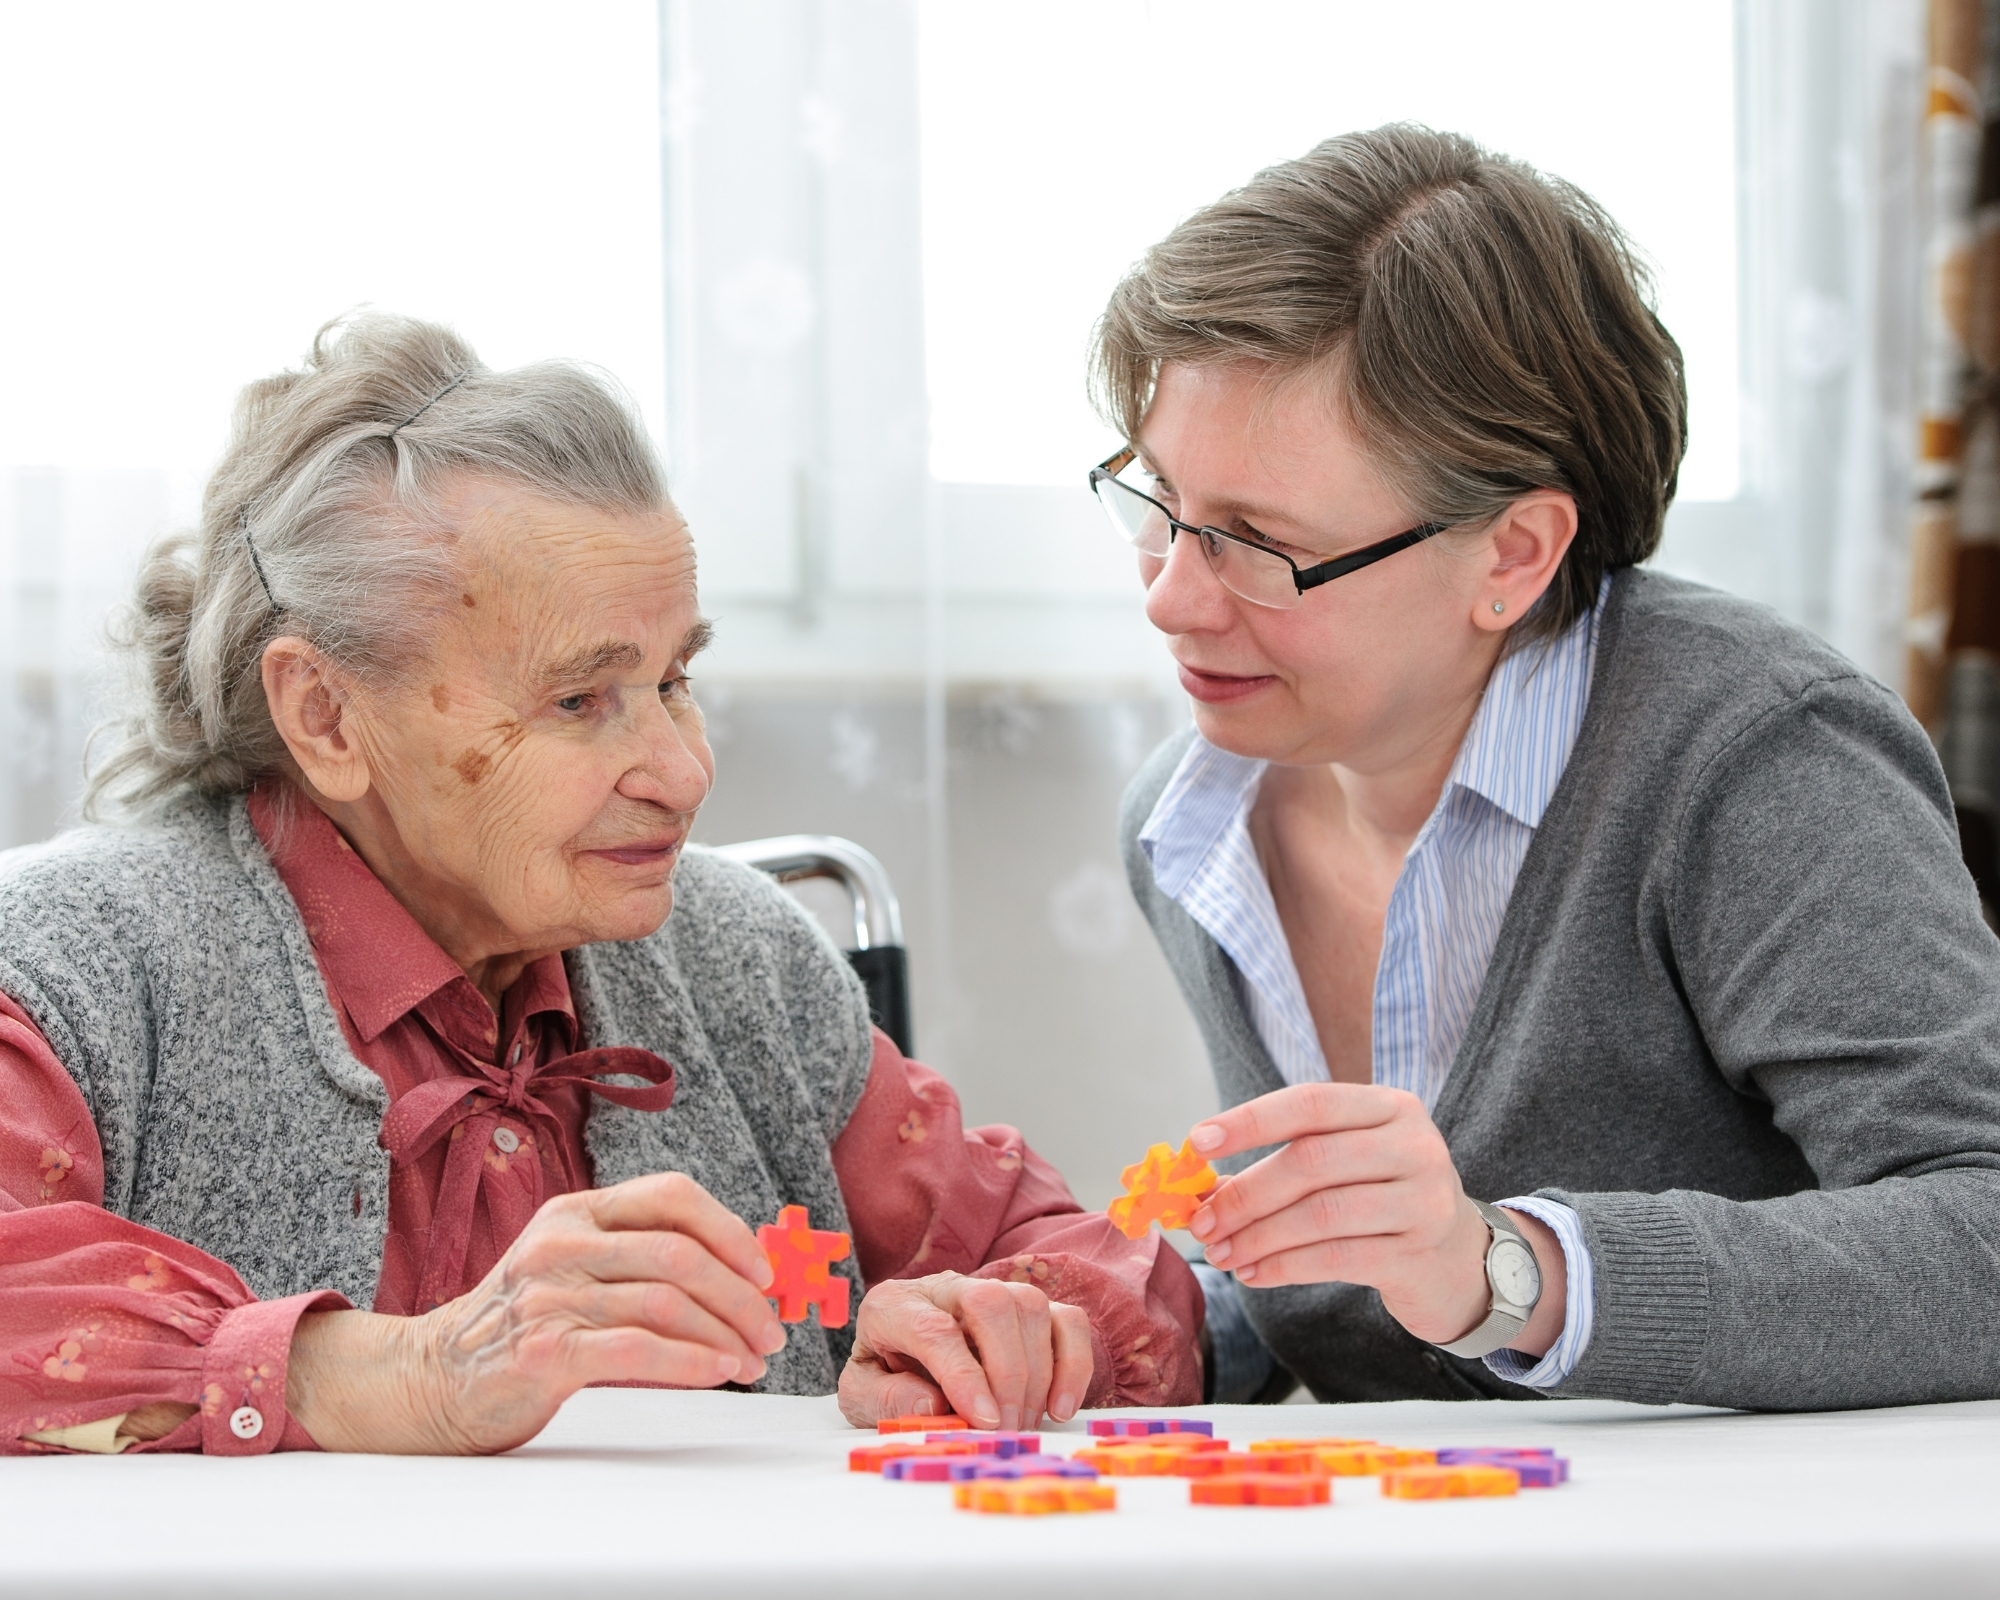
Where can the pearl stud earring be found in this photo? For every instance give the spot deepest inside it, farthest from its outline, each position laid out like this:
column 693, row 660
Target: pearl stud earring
column 1499, row 606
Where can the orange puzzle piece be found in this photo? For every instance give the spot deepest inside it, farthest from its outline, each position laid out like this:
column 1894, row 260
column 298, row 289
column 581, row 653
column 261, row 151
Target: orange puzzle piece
column 1034, row 1497
column 921, row 1424
column 1260, row 1489
column 1448, row 1483
column 1166, row 1188
column 798, row 1254
column 1347, row 1458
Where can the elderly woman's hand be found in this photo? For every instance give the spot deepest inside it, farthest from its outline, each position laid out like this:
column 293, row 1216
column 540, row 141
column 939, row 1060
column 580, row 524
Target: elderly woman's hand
column 997, row 1354
column 649, row 1281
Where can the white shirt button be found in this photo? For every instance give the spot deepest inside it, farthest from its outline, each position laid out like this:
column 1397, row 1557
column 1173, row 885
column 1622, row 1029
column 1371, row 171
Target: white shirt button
column 515, row 1059
column 506, row 1140
column 246, row 1422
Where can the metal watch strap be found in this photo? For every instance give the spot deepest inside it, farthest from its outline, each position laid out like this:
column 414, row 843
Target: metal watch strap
column 1506, row 1320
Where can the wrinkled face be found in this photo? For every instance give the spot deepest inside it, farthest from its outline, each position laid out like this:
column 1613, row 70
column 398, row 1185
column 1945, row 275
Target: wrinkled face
column 543, row 770
column 1366, row 668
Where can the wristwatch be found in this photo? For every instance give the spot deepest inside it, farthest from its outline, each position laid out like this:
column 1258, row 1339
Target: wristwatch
column 1516, row 1282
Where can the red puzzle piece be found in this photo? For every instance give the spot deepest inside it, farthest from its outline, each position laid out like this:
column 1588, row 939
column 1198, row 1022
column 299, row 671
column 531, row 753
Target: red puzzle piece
column 798, row 1254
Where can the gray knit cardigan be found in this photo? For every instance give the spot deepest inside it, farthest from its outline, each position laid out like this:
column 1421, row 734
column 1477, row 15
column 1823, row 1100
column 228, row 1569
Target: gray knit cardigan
column 1743, row 1015
column 168, row 967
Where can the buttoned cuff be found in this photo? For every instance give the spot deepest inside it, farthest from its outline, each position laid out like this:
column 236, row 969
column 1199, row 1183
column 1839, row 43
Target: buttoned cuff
column 1578, row 1308
column 244, row 1368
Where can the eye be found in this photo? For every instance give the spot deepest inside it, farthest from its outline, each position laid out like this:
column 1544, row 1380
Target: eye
column 681, row 688
column 573, row 703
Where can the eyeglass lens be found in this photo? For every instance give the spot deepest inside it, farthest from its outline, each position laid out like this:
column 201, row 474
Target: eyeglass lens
column 1259, row 576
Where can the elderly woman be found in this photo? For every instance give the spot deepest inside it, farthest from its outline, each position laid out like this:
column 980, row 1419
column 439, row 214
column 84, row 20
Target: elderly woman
column 1496, row 866
column 375, row 999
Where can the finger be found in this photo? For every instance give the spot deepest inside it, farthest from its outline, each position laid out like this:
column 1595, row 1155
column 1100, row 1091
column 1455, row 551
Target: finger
column 915, row 1325
column 666, row 1310
column 633, row 1355
column 868, row 1394
column 1074, row 1361
column 992, row 1315
column 680, row 1260
column 1375, row 1260
column 1291, row 1113
column 1288, row 1175
column 1362, row 1210
column 672, row 1200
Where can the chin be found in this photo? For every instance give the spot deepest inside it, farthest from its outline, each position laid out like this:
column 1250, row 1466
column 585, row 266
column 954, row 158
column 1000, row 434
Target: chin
column 630, row 914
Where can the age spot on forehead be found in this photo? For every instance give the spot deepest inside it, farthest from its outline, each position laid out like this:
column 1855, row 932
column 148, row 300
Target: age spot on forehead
column 472, row 603
column 440, row 697
column 472, row 766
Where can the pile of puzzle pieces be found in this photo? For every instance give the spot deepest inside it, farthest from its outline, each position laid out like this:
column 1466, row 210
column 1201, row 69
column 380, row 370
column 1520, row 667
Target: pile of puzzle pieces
column 1013, row 1474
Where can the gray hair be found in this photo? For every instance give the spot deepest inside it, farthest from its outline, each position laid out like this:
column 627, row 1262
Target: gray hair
column 323, row 521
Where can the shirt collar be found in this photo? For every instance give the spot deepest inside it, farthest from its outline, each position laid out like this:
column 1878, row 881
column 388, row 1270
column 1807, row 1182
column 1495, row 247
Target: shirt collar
column 1528, row 721
column 1209, row 790
column 375, row 955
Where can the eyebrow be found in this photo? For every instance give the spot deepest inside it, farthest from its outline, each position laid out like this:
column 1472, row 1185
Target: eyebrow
column 616, row 655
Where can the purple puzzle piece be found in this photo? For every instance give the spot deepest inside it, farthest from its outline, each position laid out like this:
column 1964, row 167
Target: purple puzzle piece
column 1003, row 1445
column 1140, row 1427
column 964, row 1468
column 920, row 1469
column 1538, row 1469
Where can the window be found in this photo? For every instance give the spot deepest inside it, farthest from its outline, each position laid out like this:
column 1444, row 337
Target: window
column 1060, row 142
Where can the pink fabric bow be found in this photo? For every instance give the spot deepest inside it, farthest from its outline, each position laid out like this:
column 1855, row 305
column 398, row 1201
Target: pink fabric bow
column 468, row 1109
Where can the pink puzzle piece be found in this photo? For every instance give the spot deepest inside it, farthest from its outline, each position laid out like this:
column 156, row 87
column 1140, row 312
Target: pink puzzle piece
column 799, row 1254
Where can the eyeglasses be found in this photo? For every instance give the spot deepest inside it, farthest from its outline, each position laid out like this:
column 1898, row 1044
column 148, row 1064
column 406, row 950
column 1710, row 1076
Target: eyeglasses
column 1261, row 575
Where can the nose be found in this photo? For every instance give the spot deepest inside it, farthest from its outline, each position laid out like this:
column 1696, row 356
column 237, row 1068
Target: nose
column 1183, row 595
column 673, row 768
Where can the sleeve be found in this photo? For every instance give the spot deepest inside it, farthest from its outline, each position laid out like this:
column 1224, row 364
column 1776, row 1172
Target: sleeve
column 925, row 1194
column 1830, row 947
column 100, row 1317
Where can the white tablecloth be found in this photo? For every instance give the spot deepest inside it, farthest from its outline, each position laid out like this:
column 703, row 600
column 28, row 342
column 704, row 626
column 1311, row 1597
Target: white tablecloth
column 661, row 1494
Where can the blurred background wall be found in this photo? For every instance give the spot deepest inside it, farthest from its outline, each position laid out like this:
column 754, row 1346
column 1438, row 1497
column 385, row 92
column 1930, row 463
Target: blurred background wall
column 846, row 255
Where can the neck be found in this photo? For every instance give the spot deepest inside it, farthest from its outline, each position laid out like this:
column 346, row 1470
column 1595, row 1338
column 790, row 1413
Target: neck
column 1382, row 800
column 483, row 949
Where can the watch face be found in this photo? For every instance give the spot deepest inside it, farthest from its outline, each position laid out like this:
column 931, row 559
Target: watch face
column 1511, row 1267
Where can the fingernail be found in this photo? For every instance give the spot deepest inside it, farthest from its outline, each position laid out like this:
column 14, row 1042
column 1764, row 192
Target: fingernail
column 745, row 1374
column 725, row 1368
column 1219, row 1252
column 1245, row 1274
column 1207, row 1136
column 984, row 1413
column 922, row 1408
column 764, row 1276
column 1010, row 1419
column 1063, row 1407
column 774, row 1338
column 1203, row 1224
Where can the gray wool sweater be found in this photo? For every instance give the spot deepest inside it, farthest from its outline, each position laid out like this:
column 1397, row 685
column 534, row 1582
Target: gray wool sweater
column 1743, row 1015
column 168, row 967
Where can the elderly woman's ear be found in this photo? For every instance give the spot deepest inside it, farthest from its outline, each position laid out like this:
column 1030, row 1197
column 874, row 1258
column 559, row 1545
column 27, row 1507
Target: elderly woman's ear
column 312, row 705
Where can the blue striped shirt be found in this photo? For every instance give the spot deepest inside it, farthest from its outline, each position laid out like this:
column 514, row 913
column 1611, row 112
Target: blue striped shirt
column 1443, row 917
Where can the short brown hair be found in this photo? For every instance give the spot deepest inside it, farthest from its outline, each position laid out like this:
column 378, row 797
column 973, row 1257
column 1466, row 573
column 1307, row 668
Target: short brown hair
column 1489, row 331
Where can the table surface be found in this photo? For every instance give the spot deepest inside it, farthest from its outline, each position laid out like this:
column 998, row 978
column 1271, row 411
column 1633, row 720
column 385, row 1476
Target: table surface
column 656, row 1493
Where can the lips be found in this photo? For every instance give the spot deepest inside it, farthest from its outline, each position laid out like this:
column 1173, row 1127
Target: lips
column 641, row 852
column 1221, row 688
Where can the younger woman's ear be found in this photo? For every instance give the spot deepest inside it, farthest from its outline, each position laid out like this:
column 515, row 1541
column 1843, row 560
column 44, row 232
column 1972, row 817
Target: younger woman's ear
column 1527, row 542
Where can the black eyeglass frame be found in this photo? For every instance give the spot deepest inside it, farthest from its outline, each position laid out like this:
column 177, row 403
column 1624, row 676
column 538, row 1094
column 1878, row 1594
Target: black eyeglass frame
column 1303, row 577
